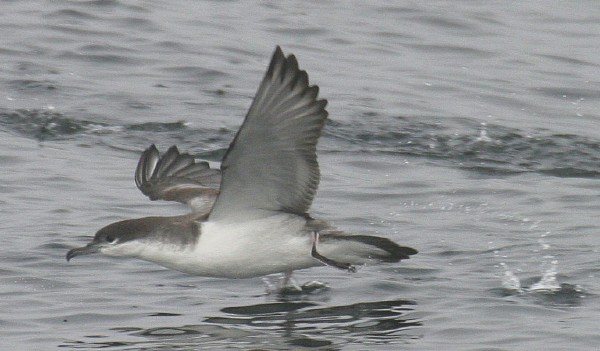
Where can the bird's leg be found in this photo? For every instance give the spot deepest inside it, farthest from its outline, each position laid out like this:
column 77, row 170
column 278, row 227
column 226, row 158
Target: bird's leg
column 286, row 285
column 328, row 261
column 289, row 283
column 286, row 278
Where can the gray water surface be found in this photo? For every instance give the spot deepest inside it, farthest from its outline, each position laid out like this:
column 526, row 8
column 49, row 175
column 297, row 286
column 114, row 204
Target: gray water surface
column 467, row 130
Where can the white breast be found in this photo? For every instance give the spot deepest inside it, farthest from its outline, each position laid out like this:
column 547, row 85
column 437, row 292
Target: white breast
column 242, row 250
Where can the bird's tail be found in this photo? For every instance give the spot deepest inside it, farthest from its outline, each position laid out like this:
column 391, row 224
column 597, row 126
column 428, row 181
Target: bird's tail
column 359, row 249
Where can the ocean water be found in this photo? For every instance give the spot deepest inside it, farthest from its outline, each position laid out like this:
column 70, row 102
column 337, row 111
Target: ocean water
column 467, row 130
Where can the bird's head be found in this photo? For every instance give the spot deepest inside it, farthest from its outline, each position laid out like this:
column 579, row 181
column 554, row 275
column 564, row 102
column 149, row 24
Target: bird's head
column 115, row 239
column 129, row 238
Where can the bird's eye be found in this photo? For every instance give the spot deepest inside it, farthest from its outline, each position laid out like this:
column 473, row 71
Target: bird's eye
column 111, row 239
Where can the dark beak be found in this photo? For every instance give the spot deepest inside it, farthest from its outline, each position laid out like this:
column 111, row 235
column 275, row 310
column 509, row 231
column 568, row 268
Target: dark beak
column 86, row 250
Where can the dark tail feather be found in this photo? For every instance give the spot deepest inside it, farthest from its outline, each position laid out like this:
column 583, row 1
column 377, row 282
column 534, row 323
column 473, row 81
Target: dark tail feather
column 393, row 251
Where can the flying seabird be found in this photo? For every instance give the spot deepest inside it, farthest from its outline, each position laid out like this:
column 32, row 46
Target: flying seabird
column 250, row 218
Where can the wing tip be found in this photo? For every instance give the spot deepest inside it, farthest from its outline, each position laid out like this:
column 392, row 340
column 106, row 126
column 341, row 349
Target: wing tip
column 282, row 67
column 287, row 68
column 146, row 165
column 154, row 169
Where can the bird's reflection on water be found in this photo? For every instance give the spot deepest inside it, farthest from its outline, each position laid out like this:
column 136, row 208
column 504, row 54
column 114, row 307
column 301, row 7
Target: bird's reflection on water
column 283, row 325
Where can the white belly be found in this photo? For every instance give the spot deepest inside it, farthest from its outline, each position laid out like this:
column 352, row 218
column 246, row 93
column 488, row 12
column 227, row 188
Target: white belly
column 243, row 250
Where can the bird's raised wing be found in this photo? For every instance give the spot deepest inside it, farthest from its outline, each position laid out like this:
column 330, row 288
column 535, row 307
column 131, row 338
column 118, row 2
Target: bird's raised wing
column 177, row 177
column 271, row 165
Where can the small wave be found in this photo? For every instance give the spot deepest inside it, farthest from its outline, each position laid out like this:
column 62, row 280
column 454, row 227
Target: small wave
column 486, row 149
column 33, row 86
column 41, row 124
column 159, row 127
column 48, row 124
column 482, row 148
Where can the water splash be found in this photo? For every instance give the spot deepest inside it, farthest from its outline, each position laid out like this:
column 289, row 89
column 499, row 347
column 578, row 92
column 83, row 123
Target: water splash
column 483, row 136
column 548, row 283
column 510, row 281
column 547, row 289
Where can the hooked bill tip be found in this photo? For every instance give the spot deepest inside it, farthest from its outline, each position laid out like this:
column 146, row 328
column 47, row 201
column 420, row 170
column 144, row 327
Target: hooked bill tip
column 70, row 255
column 86, row 250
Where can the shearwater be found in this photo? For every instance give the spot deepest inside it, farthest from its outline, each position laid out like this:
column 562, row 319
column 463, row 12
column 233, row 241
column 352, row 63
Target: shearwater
column 250, row 218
